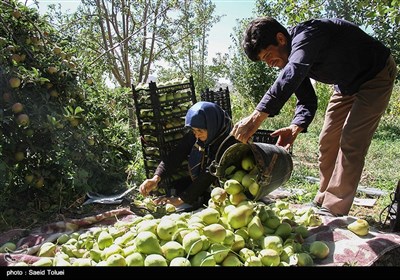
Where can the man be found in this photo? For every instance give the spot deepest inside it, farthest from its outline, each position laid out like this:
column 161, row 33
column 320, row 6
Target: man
column 332, row 51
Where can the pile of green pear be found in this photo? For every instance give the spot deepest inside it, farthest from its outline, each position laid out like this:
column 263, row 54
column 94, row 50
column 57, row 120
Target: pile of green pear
column 227, row 232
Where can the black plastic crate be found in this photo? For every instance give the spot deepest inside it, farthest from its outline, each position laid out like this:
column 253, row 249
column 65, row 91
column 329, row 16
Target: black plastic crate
column 220, row 97
column 264, row 136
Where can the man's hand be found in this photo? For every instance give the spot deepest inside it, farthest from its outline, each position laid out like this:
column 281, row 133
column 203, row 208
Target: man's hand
column 245, row 128
column 287, row 135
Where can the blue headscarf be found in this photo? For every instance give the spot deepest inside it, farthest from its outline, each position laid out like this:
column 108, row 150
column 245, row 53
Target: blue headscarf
column 209, row 116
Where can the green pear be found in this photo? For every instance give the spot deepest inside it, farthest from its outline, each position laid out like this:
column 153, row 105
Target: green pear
column 272, row 222
column 233, row 186
column 248, row 179
column 83, row 262
column 146, row 242
column 135, row 259
column 245, row 253
column 45, row 261
column 180, row 261
column 359, row 227
column 303, row 259
column 319, row 249
column 172, row 249
column 218, row 195
column 302, row 230
column 237, row 198
column 219, row 252
column 243, row 232
column 283, row 230
column 215, row 232
column 166, row 229
column 240, row 216
column 229, row 170
column 229, row 238
column 116, row 260
column 104, row 240
column 63, row 238
column 113, row 249
column 238, row 243
column 155, row 260
column 203, row 258
column 254, row 188
column 269, row 257
column 238, row 175
column 8, row 247
column 192, row 242
column 272, row 242
column 253, row 261
column 58, row 261
column 148, row 225
column 209, row 216
column 248, row 162
column 255, row 228
column 95, row 254
column 232, row 260
column 47, row 249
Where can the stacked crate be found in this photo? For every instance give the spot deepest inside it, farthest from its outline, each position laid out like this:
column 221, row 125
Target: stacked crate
column 160, row 111
column 220, row 97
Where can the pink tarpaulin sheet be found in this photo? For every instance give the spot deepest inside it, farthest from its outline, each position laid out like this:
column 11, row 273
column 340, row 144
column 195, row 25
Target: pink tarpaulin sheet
column 346, row 247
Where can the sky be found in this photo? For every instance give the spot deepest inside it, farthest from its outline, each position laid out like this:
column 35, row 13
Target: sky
column 219, row 40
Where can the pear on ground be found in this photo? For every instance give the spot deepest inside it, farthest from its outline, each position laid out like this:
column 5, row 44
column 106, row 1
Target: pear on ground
column 218, row 195
column 155, row 260
column 135, row 259
column 219, row 252
column 240, row 216
column 238, row 243
column 319, row 249
column 104, row 240
column 273, row 242
column 272, row 222
column 147, row 243
column 283, row 230
column 172, row 250
column 116, row 260
column 269, row 257
column 180, row 261
column 166, row 229
column 147, row 225
column 233, row 186
column 231, row 260
column 255, row 228
column 203, row 258
column 237, row 198
column 245, row 253
column 253, row 261
column 209, row 215
column 215, row 232
column 359, row 227
column 192, row 242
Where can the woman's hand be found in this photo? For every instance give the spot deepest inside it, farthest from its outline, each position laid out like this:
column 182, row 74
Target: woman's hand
column 176, row 201
column 149, row 185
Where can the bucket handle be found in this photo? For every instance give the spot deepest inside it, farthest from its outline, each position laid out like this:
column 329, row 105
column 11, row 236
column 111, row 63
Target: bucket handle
column 215, row 168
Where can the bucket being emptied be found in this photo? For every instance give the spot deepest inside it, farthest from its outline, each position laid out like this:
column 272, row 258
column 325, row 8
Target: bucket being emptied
column 274, row 164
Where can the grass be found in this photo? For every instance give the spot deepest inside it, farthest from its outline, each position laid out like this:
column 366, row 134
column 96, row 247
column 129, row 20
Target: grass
column 381, row 164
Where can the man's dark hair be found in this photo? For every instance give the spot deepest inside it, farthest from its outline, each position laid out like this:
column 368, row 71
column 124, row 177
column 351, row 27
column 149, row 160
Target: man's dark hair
column 259, row 34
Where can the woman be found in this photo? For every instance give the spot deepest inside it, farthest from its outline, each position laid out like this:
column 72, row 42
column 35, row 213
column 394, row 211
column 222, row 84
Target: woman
column 209, row 126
